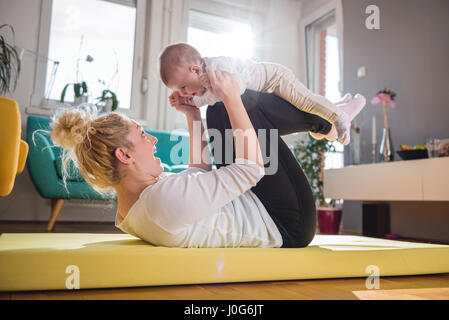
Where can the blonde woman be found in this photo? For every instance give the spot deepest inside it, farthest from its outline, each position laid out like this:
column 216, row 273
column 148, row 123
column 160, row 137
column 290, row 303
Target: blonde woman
column 236, row 205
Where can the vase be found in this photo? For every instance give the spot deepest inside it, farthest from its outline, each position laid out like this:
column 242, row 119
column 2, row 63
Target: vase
column 80, row 100
column 386, row 152
column 329, row 220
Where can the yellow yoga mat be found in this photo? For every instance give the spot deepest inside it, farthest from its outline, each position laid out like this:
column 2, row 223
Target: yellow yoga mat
column 48, row 261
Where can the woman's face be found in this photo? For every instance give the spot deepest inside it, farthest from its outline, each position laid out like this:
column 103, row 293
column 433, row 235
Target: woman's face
column 144, row 148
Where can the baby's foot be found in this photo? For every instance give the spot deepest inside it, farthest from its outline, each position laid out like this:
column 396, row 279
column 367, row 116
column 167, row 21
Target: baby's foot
column 332, row 135
column 350, row 111
column 346, row 98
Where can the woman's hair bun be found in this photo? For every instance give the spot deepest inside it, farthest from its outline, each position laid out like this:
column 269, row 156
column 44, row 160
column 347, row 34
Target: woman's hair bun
column 71, row 127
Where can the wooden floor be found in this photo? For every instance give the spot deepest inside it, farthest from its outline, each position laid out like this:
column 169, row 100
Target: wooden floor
column 432, row 287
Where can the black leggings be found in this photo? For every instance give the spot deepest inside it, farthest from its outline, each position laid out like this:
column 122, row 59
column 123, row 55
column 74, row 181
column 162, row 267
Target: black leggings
column 286, row 194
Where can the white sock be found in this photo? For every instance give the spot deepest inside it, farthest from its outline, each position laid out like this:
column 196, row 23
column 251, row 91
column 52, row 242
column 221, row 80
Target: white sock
column 331, row 136
column 353, row 107
column 345, row 99
column 350, row 110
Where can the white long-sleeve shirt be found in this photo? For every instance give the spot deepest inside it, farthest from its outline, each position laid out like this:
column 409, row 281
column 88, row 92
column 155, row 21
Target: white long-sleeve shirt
column 199, row 208
column 270, row 78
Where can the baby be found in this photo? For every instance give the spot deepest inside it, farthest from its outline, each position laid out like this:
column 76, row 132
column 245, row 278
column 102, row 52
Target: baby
column 183, row 70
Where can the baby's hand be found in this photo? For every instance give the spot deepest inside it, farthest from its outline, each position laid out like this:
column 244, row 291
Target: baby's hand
column 177, row 99
column 174, row 99
column 188, row 100
column 178, row 102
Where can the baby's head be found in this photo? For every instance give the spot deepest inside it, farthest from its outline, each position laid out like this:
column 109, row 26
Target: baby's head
column 180, row 67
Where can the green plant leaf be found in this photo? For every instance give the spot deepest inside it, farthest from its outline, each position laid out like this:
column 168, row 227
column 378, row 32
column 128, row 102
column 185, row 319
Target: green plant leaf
column 77, row 89
column 10, row 64
column 64, row 92
column 308, row 154
column 84, row 87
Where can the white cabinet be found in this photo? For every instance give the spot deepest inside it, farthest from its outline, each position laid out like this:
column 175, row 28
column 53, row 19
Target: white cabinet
column 412, row 180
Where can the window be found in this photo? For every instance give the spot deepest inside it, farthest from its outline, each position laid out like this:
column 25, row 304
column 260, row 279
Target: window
column 96, row 41
column 92, row 47
column 323, row 69
column 217, row 36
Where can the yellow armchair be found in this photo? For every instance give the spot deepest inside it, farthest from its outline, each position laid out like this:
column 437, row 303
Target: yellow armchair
column 14, row 150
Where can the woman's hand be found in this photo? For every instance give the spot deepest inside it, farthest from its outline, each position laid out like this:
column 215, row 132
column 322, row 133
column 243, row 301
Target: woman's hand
column 223, row 85
column 182, row 104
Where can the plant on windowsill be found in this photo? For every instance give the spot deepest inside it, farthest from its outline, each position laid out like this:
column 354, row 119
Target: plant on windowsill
column 80, row 92
column 9, row 64
column 107, row 102
column 311, row 155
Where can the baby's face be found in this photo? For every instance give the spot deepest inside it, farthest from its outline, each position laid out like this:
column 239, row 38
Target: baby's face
column 187, row 82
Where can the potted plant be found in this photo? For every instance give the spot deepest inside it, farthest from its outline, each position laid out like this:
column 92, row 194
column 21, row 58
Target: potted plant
column 107, row 101
column 80, row 89
column 9, row 64
column 311, row 155
column 80, row 92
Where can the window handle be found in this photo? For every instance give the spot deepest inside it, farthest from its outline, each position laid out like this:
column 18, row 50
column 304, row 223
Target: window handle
column 144, row 85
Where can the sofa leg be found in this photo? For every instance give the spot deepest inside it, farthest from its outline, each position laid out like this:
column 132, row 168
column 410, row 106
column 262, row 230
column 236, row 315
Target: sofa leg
column 56, row 206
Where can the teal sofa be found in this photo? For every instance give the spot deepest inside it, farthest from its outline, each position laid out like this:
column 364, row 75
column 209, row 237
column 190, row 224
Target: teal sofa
column 44, row 164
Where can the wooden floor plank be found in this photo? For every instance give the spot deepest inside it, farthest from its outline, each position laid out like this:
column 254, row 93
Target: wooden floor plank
column 404, row 294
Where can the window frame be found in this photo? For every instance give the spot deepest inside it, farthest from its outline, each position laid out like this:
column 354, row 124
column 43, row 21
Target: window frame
column 38, row 101
column 336, row 6
column 312, row 48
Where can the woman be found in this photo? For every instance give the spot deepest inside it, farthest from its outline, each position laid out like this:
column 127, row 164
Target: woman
column 201, row 207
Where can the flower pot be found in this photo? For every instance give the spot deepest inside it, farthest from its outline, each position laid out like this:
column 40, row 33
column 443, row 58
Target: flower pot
column 80, row 100
column 329, row 220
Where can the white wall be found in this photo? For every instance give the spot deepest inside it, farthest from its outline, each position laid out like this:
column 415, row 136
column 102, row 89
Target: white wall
column 24, row 203
column 282, row 34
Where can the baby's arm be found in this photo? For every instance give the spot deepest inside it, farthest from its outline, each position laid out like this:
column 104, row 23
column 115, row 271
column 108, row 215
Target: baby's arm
column 277, row 79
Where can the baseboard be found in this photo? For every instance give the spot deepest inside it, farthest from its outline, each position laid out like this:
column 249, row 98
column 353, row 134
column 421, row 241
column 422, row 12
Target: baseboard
column 350, row 232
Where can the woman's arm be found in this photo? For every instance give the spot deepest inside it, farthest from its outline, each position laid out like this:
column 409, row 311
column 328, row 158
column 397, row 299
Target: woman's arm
column 226, row 88
column 198, row 146
column 196, row 132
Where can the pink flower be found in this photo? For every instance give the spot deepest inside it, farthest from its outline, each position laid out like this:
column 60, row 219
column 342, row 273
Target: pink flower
column 383, row 97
